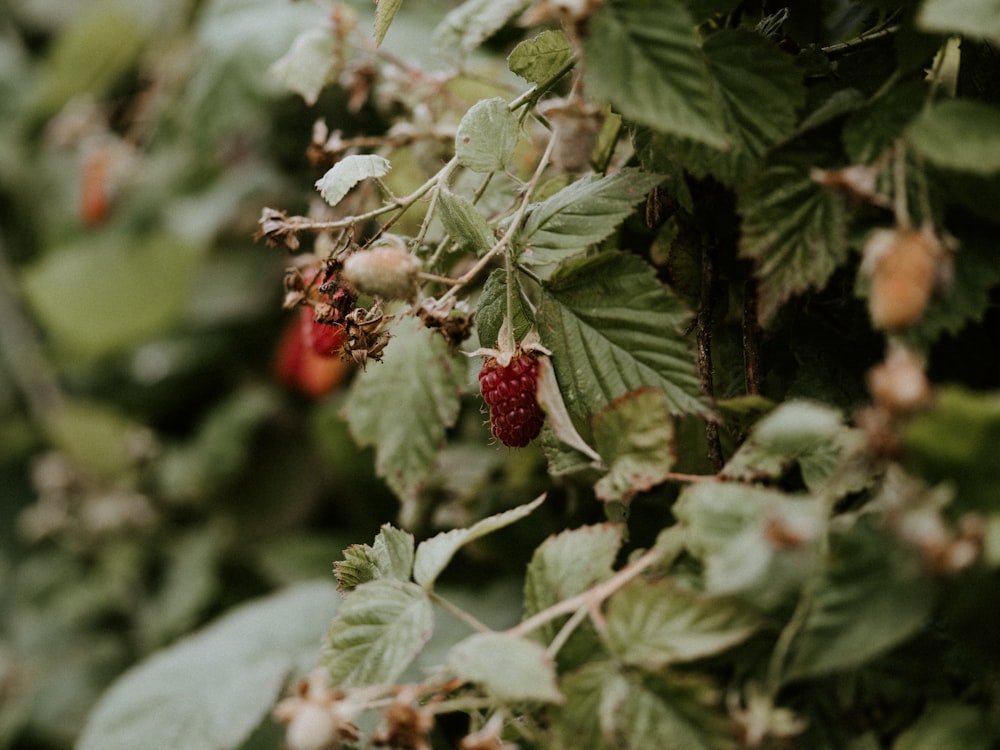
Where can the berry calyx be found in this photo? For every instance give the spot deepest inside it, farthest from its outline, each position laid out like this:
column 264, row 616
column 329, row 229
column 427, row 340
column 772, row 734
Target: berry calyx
column 510, row 392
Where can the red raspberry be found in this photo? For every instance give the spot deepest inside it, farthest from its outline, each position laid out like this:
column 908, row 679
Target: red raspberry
column 515, row 416
column 326, row 339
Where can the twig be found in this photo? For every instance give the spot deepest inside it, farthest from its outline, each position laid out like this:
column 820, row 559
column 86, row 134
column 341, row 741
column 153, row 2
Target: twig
column 751, row 338
column 704, row 335
column 459, row 613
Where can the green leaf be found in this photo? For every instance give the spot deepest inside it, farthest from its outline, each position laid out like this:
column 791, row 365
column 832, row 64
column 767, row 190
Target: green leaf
column 607, row 708
column 651, row 625
column 761, row 90
column 760, row 544
column 94, row 435
column 492, row 309
column 947, row 726
column 357, row 567
column 385, row 11
column 958, row 134
column 874, row 127
column 582, row 214
column 869, row 599
column 435, row 553
column 472, row 23
column 348, row 172
column 794, row 230
column 464, row 224
column 508, row 668
column 211, row 689
column 645, row 59
column 541, row 58
column 422, row 381
column 379, row 630
column 122, row 292
column 635, row 437
column 308, row 65
column 486, row 136
column 955, row 441
column 615, row 328
column 390, row 556
column 979, row 19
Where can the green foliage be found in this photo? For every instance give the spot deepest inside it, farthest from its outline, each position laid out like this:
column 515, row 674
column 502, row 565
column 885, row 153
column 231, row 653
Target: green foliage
column 750, row 255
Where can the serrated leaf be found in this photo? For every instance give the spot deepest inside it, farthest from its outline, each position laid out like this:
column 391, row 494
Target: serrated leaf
column 958, row 134
column 385, row 11
column 506, row 667
column 435, row 553
column 582, row 214
column 423, row 382
column 464, row 224
column 979, row 19
column 947, row 726
column 539, row 59
column 651, row 625
column 486, row 136
column 393, row 552
column 608, row 708
column 209, row 690
column 307, row 65
column 871, row 597
column 473, row 22
column 635, row 437
column 758, row 543
column 348, row 172
column 794, row 230
column 645, row 59
column 492, row 309
column 379, row 630
column 615, row 328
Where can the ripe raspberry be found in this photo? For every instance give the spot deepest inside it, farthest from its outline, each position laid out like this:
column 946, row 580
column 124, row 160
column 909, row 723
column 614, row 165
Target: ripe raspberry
column 326, row 339
column 515, row 416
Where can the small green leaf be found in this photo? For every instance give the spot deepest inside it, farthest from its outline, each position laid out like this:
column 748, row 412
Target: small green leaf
column 422, row 381
column 794, row 230
column 472, row 23
column 308, row 65
column 385, row 11
column 209, row 690
column 635, row 437
column 492, row 309
column 464, row 224
column 870, row 598
column 379, row 630
column 644, row 58
column 393, row 552
column 486, row 136
column 357, row 567
column 582, row 214
column 651, row 625
column 616, row 328
column 508, row 668
column 435, row 553
column 979, row 19
column 348, row 172
column 539, row 59
column 947, row 726
column 959, row 134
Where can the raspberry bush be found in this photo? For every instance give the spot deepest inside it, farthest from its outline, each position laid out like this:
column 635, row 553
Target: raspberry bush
column 723, row 273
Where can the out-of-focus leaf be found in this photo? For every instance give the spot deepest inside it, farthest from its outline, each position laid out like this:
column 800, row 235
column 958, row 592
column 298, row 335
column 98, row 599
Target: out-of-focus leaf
column 959, row 134
column 473, row 22
column 947, row 726
column 385, row 11
column 348, row 172
column 209, row 690
column 979, row 19
column 506, row 667
column 95, row 435
column 308, row 65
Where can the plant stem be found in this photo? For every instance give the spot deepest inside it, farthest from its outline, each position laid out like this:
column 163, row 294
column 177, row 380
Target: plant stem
column 704, row 328
column 459, row 613
column 751, row 339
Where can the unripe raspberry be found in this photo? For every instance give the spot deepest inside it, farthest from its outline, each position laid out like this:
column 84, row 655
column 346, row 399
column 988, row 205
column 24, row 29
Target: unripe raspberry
column 904, row 267
column 312, row 728
column 386, row 270
column 515, row 416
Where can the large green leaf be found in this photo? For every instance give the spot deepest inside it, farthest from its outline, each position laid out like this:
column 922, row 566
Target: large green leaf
column 435, row 553
column 422, row 382
column 651, row 625
column 582, row 214
column 379, row 630
column 870, row 598
column 209, row 690
column 795, row 231
column 506, row 667
column 645, row 59
column 975, row 18
column 614, row 328
column 959, row 134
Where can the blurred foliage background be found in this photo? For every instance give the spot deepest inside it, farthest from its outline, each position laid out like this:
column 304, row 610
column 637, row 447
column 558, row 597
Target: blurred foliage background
column 153, row 471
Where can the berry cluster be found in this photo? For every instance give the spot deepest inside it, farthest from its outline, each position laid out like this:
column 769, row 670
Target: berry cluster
column 515, row 416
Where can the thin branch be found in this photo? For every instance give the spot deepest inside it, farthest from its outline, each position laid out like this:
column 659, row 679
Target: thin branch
column 751, row 339
column 704, row 335
column 459, row 613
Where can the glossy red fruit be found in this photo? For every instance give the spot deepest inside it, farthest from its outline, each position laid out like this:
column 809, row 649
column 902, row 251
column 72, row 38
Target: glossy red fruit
column 515, row 416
